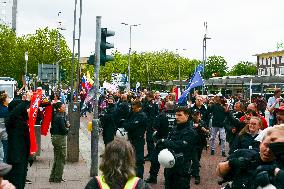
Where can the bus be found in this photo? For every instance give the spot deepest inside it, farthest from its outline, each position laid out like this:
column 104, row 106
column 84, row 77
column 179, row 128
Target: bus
column 8, row 85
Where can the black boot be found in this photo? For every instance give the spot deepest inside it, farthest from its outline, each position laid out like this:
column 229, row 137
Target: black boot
column 151, row 179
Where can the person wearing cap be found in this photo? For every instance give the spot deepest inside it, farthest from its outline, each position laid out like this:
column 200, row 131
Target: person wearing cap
column 201, row 141
column 272, row 104
column 279, row 115
column 136, row 125
column 59, row 131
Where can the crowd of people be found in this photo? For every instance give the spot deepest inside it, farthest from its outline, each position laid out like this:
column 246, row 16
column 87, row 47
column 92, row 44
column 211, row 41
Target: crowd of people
column 174, row 135
column 186, row 130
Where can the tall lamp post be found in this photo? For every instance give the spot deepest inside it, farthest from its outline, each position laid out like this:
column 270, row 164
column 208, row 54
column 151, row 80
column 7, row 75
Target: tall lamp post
column 204, row 50
column 129, row 52
column 179, row 78
column 59, row 27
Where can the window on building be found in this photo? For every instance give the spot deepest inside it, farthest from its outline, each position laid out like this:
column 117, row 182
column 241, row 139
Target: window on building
column 281, row 70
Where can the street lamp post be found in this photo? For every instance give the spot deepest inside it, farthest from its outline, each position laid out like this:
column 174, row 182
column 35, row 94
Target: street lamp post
column 59, row 27
column 204, row 51
column 179, row 77
column 129, row 52
column 26, row 59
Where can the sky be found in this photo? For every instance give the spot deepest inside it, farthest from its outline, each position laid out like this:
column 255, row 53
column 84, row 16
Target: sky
column 238, row 28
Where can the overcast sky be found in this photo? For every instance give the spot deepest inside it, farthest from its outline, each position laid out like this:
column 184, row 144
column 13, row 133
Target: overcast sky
column 238, row 28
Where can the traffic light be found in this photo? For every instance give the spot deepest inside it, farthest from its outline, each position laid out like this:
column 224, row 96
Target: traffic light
column 91, row 60
column 63, row 74
column 105, row 45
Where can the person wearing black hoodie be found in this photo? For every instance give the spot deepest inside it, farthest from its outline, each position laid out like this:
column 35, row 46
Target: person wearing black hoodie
column 18, row 142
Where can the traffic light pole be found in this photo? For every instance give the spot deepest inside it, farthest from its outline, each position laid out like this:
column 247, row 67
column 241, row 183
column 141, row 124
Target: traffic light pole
column 95, row 131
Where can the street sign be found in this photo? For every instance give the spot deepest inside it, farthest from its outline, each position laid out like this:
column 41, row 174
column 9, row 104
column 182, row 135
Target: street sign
column 47, row 72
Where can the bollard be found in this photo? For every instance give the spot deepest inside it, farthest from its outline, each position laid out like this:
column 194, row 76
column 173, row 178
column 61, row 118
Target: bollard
column 38, row 139
column 73, row 135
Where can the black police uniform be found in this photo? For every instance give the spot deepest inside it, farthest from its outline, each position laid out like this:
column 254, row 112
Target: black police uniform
column 152, row 110
column 201, row 142
column 122, row 111
column 108, row 123
column 205, row 116
column 161, row 125
column 136, row 125
column 180, row 140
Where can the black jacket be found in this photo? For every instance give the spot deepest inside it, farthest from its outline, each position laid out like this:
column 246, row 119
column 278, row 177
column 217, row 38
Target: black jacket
column 18, row 134
column 204, row 113
column 218, row 115
column 181, row 139
column 162, row 125
column 108, row 124
column 122, row 112
column 201, row 136
column 244, row 141
column 58, row 124
column 152, row 110
column 136, row 125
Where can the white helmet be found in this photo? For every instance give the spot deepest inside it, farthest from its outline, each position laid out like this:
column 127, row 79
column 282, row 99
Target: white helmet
column 122, row 133
column 166, row 158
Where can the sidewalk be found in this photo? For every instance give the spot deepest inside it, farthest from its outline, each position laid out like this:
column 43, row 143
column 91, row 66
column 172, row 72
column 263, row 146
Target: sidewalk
column 76, row 174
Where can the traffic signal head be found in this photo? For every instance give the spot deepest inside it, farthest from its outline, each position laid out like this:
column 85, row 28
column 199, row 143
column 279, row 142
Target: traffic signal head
column 63, row 74
column 91, row 60
column 105, row 45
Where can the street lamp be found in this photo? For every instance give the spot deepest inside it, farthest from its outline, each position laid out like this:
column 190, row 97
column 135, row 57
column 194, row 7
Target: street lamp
column 179, row 78
column 26, row 59
column 204, row 51
column 129, row 53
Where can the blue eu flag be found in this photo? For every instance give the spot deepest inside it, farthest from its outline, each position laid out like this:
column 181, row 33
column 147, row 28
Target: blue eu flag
column 196, row 81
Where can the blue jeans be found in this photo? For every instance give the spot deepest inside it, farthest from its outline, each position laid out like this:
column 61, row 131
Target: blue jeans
column 214, row 131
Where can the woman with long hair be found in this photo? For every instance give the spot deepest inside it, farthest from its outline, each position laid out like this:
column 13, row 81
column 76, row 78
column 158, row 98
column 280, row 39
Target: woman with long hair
column 118, row 168
column 245, row 139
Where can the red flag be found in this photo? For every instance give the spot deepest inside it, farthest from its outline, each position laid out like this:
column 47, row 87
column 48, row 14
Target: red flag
column 35, row 101
column 46, row 120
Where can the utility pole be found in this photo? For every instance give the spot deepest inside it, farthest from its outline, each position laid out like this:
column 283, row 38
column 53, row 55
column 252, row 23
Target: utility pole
column 95, row 123
column 14, row 15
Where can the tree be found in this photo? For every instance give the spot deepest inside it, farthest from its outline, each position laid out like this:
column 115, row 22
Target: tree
column 41, row 48
column 215, row 66
column 243, row 68
column 162, row 66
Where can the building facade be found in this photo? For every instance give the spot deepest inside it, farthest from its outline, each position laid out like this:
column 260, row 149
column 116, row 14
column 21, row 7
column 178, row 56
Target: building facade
column 270, row 63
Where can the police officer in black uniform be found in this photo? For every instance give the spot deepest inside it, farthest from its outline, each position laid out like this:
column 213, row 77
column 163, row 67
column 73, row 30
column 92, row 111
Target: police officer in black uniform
column 181, row 140
column 152, row 110
column 136, row 125
column 202, row 133
column 107, row 119
column 122, row 110
column 164, row 122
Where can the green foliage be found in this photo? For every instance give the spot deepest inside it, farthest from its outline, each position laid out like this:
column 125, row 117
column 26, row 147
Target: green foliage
column 162, row 66
column 215, row 65
column 243, row 68
column 42, row 48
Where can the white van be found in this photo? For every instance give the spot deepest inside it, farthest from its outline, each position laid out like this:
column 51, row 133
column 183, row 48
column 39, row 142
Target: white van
column 8, row 85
